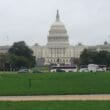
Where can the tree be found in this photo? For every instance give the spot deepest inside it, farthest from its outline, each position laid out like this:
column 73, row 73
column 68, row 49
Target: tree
column 21, row 56
column 86, row 57
column 103, row 58
column 100, row 58
column 4, row 64
column 74, row 61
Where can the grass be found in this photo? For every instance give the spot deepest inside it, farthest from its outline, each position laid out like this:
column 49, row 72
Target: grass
column 54, row 83
column 55, row 105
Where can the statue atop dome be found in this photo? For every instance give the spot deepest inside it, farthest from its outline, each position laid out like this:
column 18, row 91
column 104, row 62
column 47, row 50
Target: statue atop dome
column 58, row 16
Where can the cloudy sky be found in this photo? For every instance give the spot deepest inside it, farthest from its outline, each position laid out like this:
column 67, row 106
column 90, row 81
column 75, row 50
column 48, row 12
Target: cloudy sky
column 87, row 21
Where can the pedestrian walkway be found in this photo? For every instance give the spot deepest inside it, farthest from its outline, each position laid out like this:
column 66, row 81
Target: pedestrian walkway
column 56, row 98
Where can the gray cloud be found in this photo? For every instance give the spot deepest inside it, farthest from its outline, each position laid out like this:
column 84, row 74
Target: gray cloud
column 87, row 21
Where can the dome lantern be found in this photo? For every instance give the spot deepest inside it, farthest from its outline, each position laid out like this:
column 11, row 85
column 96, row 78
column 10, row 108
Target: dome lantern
column 58, row 16
column 58, row 34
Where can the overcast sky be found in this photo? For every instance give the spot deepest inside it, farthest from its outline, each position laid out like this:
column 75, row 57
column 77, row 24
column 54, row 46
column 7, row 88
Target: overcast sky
column 87, row 21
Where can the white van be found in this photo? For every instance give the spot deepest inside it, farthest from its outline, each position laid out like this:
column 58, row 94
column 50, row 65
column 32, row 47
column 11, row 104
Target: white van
column 93, row 67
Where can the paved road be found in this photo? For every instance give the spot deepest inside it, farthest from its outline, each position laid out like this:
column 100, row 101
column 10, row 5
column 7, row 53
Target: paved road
column 55, row 98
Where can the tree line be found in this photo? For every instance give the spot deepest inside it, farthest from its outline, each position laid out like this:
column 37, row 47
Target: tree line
column 95, row 57
column 19, row 56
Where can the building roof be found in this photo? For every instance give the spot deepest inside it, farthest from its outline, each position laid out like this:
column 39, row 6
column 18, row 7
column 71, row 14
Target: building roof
column 58, row 33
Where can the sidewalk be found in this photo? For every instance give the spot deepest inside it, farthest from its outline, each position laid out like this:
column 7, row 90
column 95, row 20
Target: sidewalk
column 56, row 98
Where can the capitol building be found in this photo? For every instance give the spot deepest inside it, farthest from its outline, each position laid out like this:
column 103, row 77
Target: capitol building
column 58, row 50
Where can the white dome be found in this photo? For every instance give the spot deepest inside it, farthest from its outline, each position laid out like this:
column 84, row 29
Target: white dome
column 57, row 23
column 57, row 27
column 57, row 33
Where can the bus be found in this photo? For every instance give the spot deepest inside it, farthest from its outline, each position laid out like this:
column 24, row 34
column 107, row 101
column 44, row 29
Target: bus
column 63, row 69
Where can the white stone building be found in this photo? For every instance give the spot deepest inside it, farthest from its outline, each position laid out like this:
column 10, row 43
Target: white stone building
column 58, row 49
column 4, row 49
column 103, row 47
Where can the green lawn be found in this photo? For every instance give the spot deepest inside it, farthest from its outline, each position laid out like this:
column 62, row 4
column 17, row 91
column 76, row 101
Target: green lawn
column 54, row 83
column 55, row 105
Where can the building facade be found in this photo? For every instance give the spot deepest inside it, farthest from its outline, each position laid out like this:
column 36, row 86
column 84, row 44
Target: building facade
column 4, row 49
column 58, row 49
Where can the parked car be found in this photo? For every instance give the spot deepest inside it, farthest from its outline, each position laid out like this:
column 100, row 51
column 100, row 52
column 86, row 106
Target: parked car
column 23, row 70
column 102, row 68
column 83, row 70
